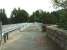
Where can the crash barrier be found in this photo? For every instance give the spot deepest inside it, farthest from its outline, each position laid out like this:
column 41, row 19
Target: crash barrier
column 58, row 35
column 6, row 29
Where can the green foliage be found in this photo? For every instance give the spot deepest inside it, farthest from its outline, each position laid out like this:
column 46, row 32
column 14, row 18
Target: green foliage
column 31, row 18
column 60, row 18
column 62, row 14
column 63, row 18
column 19, row 15
column 13, row 15
column 36, row 16
column 43, row 17
column 60, row 3
column 49, row 18
column 3, row 16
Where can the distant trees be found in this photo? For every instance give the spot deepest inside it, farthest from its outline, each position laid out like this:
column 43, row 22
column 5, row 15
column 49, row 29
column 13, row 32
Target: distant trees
column 43, row 17
column 62, row 18
column 13, row 15
column 3, row 16
column 18, row 16
column 61, row 14
column 49, row 18
column 31, row 18
column 38, row 16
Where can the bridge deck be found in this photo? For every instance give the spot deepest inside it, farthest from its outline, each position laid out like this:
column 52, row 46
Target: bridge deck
column 30, row 39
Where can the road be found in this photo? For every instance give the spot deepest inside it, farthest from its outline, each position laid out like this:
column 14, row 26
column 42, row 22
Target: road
column 30, row 39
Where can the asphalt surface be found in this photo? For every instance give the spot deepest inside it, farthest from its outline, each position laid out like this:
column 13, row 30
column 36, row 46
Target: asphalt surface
column 30, row 39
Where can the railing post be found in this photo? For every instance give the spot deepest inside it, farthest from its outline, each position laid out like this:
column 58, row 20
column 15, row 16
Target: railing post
column 4, row 38
column 0, row 32
column 7, row 36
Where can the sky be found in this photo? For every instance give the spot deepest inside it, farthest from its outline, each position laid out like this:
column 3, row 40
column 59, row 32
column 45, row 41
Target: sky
column 29, row 5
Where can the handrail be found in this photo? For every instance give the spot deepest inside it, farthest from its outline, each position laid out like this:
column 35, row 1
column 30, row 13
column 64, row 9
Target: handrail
column 12, row 27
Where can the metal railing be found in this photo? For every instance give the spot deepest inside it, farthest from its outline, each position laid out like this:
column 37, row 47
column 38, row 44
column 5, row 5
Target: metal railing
column 6, row 29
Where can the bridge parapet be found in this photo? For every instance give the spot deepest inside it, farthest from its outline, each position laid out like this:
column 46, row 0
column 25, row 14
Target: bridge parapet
column 58, row 35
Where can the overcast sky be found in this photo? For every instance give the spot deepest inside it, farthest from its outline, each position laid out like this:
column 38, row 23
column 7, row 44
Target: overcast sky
column 28, row 5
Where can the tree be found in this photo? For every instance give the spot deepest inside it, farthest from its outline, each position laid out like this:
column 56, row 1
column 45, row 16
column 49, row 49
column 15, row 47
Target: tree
column 63, row 18
column 37, row 16
column 48, row 18
column 19, row 15
column 60, row 3
column 13, row 15
column 43, row 17
column 3, row 16
column 55, row 14
column 32, row 18
column 22, row 16
column 62, row 14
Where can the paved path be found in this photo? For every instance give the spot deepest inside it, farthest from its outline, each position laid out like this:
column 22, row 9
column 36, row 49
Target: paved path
column 30, row 39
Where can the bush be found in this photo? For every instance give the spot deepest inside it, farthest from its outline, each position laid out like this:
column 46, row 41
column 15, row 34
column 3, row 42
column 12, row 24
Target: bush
column 62, row 22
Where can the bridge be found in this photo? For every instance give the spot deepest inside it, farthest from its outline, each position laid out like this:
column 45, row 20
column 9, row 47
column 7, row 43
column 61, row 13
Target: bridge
column 26, row 36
